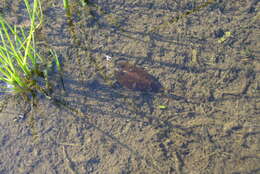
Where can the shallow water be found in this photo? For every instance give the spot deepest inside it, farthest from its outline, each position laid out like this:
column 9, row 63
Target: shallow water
column 211, row 98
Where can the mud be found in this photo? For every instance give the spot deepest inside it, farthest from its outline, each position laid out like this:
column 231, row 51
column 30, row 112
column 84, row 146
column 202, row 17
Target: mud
column 205, row 56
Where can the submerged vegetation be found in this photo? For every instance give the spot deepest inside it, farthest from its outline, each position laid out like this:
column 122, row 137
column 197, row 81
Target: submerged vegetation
column 22, row 69
column 66, row 3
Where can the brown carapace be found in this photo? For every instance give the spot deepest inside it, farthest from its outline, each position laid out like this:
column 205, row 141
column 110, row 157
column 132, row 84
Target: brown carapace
column 136, row 78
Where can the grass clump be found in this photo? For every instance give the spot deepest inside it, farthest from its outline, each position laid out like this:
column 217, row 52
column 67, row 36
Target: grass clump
column 20, row 64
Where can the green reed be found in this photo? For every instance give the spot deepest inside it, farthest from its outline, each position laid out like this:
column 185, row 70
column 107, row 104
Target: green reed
column 19, row 61
column 66, row 4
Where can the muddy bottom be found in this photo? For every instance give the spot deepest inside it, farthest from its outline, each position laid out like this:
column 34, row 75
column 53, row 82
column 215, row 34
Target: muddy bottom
column 205, row 120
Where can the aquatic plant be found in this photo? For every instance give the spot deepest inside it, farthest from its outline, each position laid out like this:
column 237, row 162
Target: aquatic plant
column 20, row 63
column 66, row 4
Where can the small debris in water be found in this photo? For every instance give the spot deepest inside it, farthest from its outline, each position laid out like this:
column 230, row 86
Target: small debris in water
column 108, row 58
column 162, row 107
column 20, row 117
column 136, row 78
